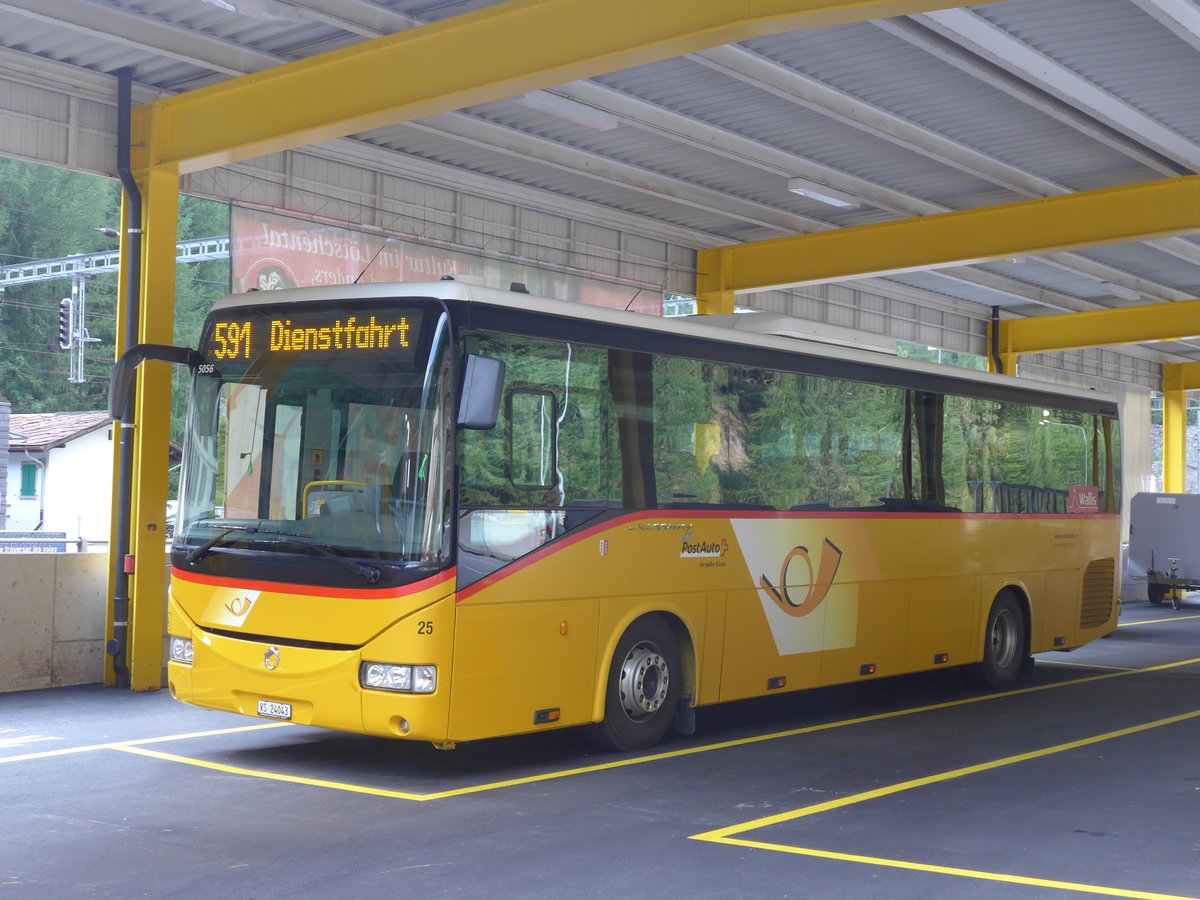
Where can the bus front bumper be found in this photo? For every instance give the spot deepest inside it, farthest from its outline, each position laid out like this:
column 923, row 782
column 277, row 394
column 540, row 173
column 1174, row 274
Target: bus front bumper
column 317, row 686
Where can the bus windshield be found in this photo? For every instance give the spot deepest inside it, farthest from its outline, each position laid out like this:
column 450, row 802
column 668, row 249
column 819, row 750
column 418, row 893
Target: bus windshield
column 319, row 435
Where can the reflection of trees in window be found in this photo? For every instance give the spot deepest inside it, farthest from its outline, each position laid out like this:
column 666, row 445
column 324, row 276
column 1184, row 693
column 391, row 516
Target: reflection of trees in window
column 698, row 432
column 1011, row 457
column 870, row 418
column 686, row 438
column 551, row 446
column 744, row 436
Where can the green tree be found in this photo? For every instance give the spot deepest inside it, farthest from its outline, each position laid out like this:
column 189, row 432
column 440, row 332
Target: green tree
column 197, row 285
column 47, row 213
column 44, row 214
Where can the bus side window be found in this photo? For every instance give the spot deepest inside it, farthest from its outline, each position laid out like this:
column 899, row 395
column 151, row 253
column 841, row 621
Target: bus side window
column 532, row 439
column 551, row 447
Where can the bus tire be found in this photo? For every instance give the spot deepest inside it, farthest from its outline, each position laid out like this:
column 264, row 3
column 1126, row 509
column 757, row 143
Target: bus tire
column 642, row 689
column 1005, row 650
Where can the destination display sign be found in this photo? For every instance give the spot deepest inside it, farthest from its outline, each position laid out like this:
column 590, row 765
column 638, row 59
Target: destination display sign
column 247, row 333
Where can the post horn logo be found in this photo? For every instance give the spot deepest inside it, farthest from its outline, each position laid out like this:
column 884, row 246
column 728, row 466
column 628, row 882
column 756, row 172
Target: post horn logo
column 271, row 659
column 818, row 588
column 239, row 606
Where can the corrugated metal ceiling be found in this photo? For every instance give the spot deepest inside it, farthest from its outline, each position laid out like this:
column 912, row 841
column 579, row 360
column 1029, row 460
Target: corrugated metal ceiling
column 952, row 110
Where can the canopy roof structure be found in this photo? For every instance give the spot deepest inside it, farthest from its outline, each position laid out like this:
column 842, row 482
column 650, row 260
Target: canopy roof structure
column 876, row 120
column 906, row 167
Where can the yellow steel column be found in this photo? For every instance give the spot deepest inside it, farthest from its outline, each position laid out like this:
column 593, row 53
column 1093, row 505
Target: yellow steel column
column 1177, row 381
column 712, row 298
column 1174, row 436
column 152, row 414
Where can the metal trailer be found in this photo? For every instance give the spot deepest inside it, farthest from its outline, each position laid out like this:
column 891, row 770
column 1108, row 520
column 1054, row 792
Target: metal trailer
column 1164, row 545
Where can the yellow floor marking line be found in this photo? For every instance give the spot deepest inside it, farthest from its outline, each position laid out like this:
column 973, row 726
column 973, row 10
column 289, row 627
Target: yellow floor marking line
column 962, row 873
column 270, row 776
column 380, row 792
column 134, row 747
column 727, row 835
column 1158, row 621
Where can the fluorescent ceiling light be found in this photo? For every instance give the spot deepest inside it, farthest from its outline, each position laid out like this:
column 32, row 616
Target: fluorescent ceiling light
column 263, row 10
column 822, row 193
column 571, row 110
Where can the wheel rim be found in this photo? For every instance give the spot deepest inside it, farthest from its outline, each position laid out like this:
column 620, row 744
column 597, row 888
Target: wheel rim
column 644, row 681
column 1004, row 639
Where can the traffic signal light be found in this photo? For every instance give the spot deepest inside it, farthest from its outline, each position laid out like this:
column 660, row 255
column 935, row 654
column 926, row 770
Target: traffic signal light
column 66, row 323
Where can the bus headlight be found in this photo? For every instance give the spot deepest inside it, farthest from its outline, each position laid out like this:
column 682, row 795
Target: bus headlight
column 181, row 650
column 403, row 679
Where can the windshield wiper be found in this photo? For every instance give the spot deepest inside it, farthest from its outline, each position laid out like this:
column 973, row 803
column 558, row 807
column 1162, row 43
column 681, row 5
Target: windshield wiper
column 370, row 573
column 207, row 547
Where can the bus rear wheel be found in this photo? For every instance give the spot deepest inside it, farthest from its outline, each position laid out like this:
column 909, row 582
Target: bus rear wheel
column 1005, row 651
column 642, row 689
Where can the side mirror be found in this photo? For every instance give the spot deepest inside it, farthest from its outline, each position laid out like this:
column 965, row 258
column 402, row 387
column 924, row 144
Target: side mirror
column 121, row 386
column 483, row 379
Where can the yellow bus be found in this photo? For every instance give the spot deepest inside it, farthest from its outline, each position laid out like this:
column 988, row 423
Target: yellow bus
column 439, row 512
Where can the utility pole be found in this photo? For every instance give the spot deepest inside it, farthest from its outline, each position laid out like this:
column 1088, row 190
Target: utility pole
column 72, row 329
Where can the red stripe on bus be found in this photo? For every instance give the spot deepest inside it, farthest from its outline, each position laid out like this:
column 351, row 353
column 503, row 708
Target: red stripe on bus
column 308, row 590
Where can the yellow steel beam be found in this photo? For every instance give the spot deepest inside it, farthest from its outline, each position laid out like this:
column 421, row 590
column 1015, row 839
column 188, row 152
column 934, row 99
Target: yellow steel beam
column 499, row 51
column 1174, row 437
column 1114, row 215
column 1102, row 328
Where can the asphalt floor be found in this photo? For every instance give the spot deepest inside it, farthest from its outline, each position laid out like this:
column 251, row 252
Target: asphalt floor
column 1083, row 782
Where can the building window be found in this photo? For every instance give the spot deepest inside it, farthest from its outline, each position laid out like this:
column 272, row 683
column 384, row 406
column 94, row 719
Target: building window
column 29, row 479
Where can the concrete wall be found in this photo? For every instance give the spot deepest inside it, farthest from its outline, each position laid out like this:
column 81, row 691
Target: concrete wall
column 52, row 608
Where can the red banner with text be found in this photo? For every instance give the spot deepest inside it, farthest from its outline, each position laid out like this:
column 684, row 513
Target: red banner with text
column 270, row 251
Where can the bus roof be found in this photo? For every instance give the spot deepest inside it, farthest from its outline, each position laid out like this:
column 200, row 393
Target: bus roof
column 840, row 356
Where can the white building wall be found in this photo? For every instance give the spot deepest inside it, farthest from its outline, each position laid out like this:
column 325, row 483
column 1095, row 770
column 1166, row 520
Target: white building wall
column 74, row 489
column 79, row 487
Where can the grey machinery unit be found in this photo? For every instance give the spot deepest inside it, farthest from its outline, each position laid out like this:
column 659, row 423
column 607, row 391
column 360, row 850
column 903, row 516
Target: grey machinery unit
column 1164, row 544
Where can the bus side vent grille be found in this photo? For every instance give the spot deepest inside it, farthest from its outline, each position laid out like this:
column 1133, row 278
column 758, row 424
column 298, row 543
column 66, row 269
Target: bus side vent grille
column 1097, row 593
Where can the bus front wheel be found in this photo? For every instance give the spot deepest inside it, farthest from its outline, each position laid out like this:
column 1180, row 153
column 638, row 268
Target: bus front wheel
column 642, row 689
column 1005, row 652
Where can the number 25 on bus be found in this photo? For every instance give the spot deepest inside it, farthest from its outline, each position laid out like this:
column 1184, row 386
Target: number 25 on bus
column 439, row 512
